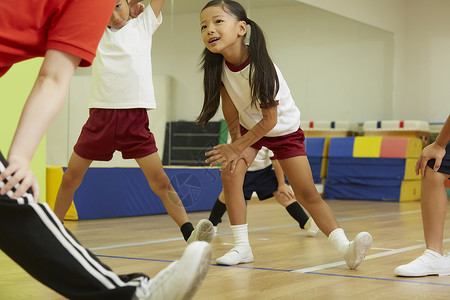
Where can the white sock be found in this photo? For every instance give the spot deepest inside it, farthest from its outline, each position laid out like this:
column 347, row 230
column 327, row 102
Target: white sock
column 338, row 238
column 240, row 234
column 434, row 254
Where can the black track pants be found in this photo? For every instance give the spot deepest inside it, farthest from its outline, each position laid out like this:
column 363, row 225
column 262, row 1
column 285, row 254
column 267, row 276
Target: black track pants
column 32, row 236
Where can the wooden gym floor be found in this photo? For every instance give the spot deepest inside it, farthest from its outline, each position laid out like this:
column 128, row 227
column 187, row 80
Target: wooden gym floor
column 288, row 265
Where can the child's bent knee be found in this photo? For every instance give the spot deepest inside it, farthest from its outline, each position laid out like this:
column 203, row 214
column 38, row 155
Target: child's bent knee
column 161, row 184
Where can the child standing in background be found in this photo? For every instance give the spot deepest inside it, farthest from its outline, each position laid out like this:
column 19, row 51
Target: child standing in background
column 259, row 111
column 434, row 166
column 266, row 178
column 122, row 92
column 66, row 33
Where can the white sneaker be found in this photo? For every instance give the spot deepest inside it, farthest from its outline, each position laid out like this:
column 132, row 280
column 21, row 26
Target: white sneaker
column 311, row 227
column 204, row 231
column 358, row 249
column 237, row 255
column 181, row 279
column 215, row 230
column 429, row 263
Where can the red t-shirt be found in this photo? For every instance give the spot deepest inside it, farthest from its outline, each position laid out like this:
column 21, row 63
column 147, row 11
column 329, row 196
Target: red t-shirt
column 29, row 27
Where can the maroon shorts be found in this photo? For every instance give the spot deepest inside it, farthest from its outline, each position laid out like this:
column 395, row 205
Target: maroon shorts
column 108, row 130
column 284, row 146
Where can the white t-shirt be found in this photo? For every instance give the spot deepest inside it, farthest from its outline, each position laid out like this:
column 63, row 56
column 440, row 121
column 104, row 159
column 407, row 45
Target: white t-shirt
column 238, row 87
column 262, row 160
column 122, row 68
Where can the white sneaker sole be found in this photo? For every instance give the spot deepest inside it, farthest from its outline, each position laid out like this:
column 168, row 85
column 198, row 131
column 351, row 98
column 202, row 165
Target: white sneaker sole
column 405, row 273
column 204, row 231
column 198, row 257
column 358, row 250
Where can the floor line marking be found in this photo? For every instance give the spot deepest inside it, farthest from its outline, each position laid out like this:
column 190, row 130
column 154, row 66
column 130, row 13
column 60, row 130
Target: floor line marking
column 378, row 278
column 381, row 215
column 135, row 244
column 383, row 249
column 250, row 230
column 134, row 258
column 290, row 271
column 372, row 256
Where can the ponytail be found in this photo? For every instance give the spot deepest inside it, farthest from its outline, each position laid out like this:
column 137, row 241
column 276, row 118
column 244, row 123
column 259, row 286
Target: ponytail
column 212, row 68
column 263, row 79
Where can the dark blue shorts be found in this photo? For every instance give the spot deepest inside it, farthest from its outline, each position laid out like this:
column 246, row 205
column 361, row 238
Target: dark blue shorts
column 445, row 165
column 263, row 182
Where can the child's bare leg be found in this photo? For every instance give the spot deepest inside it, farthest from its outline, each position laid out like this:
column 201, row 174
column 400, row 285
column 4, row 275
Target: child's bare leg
column 284, row 200
column 234, row 195
column 295, row 210
column 434, row 209
column 221, row 197
column 71, row 180
column 237, row 212
column 299, row 175
column 160, row 184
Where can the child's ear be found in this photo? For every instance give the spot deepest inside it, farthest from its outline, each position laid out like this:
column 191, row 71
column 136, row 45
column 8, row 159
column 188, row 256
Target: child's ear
column 242, row 28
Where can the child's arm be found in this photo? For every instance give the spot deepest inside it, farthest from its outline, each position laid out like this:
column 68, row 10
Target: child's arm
column 435, row 150
column 444, row 136
column 230, row 114
column 261, row 128
column 136, row 8
column 283, row 188
column 45, row 100
column 157, row 6
column 227, row 154
column 230, row 153
column 236, row 149
column 132, row 3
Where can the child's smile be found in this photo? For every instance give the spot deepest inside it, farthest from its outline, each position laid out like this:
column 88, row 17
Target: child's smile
column 221, row 31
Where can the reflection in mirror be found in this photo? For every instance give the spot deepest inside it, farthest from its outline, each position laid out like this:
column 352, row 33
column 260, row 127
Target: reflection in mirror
column 336, row 68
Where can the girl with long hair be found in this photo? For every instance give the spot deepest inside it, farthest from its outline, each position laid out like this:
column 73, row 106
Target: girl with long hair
column 259, row 111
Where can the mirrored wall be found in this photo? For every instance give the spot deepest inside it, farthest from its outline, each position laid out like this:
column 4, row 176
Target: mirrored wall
column 336, row 68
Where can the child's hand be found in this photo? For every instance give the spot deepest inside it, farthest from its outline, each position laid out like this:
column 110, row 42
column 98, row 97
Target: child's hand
column 284, row 191
column 429, row 152
column 228, row 156
column 136, row 10
column 23, row 178
column 224, row 154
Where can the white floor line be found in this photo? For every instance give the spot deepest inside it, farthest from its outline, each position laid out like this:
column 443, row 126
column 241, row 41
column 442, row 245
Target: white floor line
column 339, row 263
column 136, row 244
column 252, row 229
column 339, row 220
column 383, row 249
column 380, row 216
